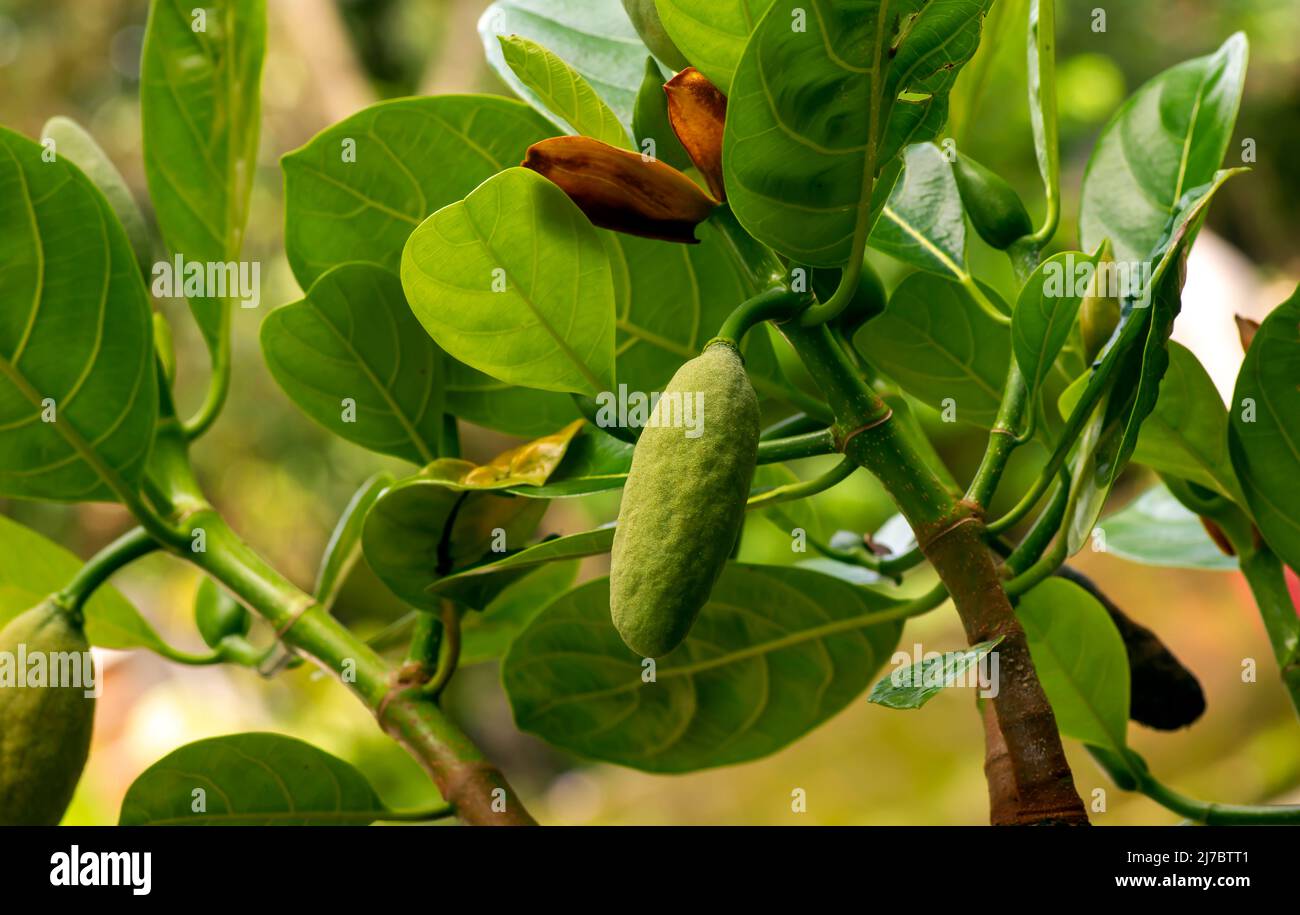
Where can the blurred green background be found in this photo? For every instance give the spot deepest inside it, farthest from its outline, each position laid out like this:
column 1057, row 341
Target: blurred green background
column 282, row 480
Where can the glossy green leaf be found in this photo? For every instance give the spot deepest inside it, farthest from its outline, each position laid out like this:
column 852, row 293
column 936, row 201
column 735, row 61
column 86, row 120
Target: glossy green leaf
column 916, row 684
column 938, row 344
column 645, row 19
column 481, row 399
column 78, row 389
column 1080, row 660
column 352, row 356
column 72, row 140
column 251, row 780
column 594, row 37
column 359, row 188
column 650, row 121
column 594, row 462
column 1169, row 137
column 477, row 585
column 1047, row 311
column 344, row 546
column 814, row 113
column 1265, row 436
column 712, row 33
column 200, row 93
column 420, row 529
column 923, row 223
column 775, row 652
column 563, row 91
column 514, row 281
column 487, row 636
column 1186, row 434
column 1156, row 530
column 32, row 568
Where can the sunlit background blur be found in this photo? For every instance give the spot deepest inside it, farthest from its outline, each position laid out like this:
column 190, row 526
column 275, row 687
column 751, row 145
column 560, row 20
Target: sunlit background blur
column 282, row 480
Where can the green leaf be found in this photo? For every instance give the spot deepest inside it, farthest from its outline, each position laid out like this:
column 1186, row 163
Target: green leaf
column 1047, row 311
column 481, row 399
column 594, row 462
column 251, row 780
column 814, row 113
column 923, row 223
column 594, row 37
column 487, row 636
column 1186, row 434
column 359, row 188
column 421, row 529
column 776, row 651
column 514, row 281
column 72, row 140
column 344, row 547
column 1265, row 442
column 938, row 344
column 1080, row 660
column 563, row 91
column 650, row 121
column 1156, row 530
column 916, row 684
column 712, row 33
column 1169, row 137
column 352, row 356
column 200, row 91
column 477, row 585
column 32, row 568
column 78, row 389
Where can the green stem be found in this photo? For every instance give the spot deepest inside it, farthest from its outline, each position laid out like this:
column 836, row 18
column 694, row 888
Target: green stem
column 99, row 568
column 463, row 776
column 1004, row 438
column 418, row 816
column 1048, row 525
column 449, row 654
column 1267, row 579
column 1042, row 111
column 1212, row 814
column 810, row 444
column 214, row 399
column 791, row 492
column 775, row 304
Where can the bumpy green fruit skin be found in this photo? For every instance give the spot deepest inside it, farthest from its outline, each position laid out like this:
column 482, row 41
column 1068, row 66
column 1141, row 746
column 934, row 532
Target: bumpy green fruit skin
column 44, row 730
column 683, row 505
column 995, row 209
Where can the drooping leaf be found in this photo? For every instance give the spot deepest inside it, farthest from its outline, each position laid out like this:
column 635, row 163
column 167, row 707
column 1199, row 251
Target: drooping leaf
column 712, row 33
column 251, row 780
column 1186, row 434
column 359, row 188
column 200, row 92
column 939, row 345
column 1046, row 313
column 78, row 389
column 515, row 282
column 477, row 585
column 1169, row 137
column 824, row 95
column 344, row 547
column 594, row 37
column 487, row 636
column 916, row 684
column 563, row 91
column 352, row 356
column 775, row 652
column 1080, row 660
column 72, row 140
column 32, row 568
column 1264, row 435
column 1156, row 530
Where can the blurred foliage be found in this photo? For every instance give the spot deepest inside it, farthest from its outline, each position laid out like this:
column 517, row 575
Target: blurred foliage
column 283, row 480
